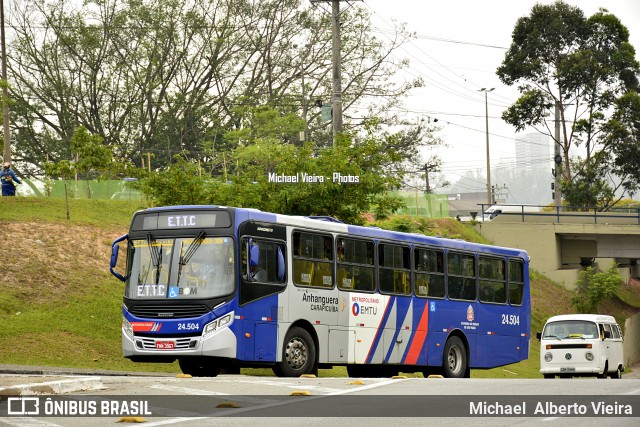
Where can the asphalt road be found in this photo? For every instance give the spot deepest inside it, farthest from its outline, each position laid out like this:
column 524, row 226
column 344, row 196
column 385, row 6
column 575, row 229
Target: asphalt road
column 240, row 400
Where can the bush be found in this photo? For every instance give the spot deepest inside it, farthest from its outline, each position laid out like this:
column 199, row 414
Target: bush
column 594, row 287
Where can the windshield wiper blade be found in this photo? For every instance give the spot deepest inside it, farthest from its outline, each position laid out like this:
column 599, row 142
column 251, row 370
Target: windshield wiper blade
column 191, row 250
column 153, row 250
column 156, row 256
column 193, row 247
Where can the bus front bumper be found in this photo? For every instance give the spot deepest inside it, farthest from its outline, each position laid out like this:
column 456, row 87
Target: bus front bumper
column 221, row 343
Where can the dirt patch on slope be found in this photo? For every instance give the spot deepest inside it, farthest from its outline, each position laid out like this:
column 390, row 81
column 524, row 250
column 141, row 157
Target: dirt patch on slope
column 40, row 259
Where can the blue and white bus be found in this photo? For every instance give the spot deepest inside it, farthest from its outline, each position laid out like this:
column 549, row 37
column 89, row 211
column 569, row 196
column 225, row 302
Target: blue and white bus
column 221, row 288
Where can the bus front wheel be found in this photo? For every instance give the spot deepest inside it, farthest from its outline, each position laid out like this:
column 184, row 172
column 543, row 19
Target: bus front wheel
column 455, row 358
column 298, row 354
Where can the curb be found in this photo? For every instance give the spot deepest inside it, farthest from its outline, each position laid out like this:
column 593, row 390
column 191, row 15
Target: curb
column 52, row 370
column 54, row 387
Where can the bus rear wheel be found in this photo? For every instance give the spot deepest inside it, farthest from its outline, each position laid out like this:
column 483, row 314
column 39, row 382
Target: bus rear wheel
column 454, row 362
column 199, row 366
column 298, row 354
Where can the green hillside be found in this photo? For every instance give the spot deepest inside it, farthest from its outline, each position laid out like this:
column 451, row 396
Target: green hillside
column 61, row 307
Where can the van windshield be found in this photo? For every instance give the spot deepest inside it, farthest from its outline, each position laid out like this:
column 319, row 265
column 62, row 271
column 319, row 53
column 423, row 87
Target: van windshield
column 570, row 329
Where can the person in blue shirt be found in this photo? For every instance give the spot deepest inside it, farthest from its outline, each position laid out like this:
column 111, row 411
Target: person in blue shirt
column 9, row 180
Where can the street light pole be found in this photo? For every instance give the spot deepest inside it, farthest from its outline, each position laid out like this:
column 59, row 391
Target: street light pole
column 5, row 91
column 486, row 112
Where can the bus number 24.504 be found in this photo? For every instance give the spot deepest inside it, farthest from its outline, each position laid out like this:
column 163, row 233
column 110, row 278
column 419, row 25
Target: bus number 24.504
column 188, row 326
column 510, row 319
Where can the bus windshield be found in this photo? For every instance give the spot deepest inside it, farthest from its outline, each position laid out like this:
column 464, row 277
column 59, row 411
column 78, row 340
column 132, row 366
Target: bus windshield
column 180, row 268
column 570, row 329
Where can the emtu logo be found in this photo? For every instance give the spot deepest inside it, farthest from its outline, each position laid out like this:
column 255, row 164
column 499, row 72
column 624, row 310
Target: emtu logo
column 355, row 309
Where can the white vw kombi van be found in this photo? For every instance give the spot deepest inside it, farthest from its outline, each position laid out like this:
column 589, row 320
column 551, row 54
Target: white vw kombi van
column 573, row 345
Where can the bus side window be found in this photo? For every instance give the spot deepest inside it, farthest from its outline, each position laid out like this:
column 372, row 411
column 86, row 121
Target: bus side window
column 312, row 259
column 461, row 276
column 394, row 269
column 266, row 261
column 493, row 282
column 516, row 281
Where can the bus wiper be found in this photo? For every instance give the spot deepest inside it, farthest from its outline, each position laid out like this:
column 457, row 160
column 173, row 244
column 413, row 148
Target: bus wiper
column 156, row 256
column 181, row 264
column 191, row 250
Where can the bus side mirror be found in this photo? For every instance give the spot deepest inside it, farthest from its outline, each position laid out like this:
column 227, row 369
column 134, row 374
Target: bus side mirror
column 115, row 249
column 539, row 335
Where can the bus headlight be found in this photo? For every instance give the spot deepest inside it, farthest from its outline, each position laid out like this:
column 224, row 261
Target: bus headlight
column 589, row 356
column 127, row 328
column 548, row 357
column 217, row 324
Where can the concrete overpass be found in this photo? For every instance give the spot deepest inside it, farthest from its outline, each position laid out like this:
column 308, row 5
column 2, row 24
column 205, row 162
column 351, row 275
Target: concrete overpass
column 561, row 243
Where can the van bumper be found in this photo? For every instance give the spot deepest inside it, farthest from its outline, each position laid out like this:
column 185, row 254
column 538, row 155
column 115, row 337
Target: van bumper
column 571, row 371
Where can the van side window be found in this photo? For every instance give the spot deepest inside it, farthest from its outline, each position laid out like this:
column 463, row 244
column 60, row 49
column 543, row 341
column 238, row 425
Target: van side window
column 615, row 332
column 607, row 328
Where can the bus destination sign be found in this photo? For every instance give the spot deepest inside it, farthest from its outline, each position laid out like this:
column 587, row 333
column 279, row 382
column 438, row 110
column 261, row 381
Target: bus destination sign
column 171, row 220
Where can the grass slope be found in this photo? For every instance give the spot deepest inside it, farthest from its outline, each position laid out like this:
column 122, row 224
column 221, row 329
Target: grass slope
column 61, row 307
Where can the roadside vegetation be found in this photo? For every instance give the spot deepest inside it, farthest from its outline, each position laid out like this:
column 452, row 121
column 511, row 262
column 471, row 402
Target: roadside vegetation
column 61, row 307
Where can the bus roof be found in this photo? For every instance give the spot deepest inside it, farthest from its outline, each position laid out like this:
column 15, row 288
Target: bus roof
column 597, row 318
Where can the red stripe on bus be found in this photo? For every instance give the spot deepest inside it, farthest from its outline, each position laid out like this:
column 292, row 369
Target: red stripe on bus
column 419, row 338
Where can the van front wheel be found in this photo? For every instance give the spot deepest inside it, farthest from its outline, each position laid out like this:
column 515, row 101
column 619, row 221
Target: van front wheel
column 603, row 375
column 617, row 374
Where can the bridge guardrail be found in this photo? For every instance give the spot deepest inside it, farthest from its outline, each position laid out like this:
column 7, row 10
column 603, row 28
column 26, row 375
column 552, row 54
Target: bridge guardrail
column 625, row 215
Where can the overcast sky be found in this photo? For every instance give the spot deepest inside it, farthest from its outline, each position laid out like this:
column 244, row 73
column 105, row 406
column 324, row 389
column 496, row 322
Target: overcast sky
column 460, row 44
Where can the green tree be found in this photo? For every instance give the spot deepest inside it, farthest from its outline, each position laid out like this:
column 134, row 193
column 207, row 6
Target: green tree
column 593, row 287
column 173, row 77
column 89, row 159
column 623, row 136
column 342, row 182
column 558, row 57
column 180, row 183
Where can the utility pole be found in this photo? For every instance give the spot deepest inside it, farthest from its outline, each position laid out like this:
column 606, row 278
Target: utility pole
column 426, row 178
column 336, row 99
column 486, row 111
column 304, row 135
column 557, row 159
column 337, row 77
column 5, row 89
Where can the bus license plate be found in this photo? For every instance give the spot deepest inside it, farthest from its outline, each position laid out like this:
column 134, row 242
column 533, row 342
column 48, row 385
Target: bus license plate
column 165, row 345
column 567, row 369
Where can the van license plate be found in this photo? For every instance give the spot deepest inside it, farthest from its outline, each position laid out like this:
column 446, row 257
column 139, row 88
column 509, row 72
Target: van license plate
column 164, row 345
column 567, row 369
